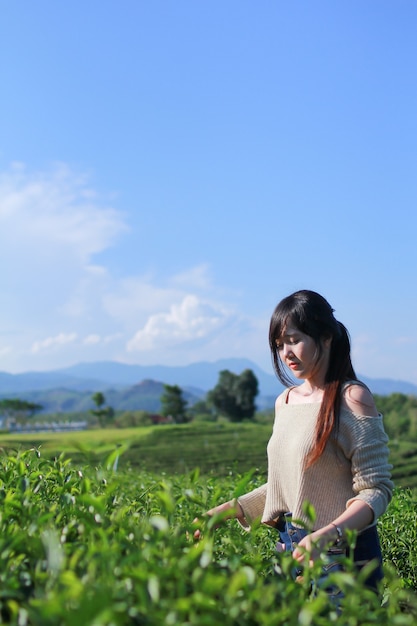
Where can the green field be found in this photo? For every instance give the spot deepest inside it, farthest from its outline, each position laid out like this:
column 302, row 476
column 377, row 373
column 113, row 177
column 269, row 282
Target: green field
column 212, row 447
column 181, row 448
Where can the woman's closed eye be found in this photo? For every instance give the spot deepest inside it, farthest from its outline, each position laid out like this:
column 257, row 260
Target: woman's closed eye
column 288, row 342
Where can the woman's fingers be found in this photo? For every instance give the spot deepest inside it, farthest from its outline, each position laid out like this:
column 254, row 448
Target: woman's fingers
column 197, row 533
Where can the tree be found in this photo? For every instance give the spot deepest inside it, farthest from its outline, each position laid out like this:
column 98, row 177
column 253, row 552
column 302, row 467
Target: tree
column 13, row 409
column 103, row 413
column 202, row 410
column 234, row 395
column 132, row 419
column 173, row 403
column 246, row 391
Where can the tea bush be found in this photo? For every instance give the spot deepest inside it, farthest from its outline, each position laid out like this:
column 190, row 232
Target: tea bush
column 92, row 546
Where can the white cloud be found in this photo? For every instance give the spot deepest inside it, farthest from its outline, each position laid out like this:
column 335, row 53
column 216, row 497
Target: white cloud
column 111, row 338
column 91, row 340
column 94, row 339
column 189, row 320
column 133, row 299
column 61, row 305
column 52, row 224
column 51, row 213
column 54, row 342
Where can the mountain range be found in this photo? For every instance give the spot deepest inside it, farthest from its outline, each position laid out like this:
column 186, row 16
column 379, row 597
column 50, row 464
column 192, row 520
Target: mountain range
column 70, row 389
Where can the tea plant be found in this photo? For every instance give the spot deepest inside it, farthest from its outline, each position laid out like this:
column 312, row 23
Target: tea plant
column 99, row 547
column 399, row 536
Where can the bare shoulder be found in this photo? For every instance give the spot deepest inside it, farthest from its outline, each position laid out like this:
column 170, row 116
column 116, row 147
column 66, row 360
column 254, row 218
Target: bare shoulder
column 358, row 399
column 281, row 398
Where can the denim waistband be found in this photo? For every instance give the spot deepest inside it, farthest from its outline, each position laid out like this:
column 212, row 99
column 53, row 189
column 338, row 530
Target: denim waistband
column 289, row 534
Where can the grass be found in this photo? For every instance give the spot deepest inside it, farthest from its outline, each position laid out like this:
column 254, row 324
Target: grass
column 70, row 439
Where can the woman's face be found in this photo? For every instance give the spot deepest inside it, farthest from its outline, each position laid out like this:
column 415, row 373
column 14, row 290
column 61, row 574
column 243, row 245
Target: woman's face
column 299, row 353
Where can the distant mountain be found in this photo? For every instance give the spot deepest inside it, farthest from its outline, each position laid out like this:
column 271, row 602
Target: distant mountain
column 145, row 396
column 41, row 381
column 110, row 374
column 202, row 375
column 386, row 386
column 71, row 388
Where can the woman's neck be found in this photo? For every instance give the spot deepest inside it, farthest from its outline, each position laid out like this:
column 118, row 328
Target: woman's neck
column 307, row 392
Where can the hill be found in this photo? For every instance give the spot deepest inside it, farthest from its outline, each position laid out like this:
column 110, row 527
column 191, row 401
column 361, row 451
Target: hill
column 145, row 396
column 202, row 375
column 70, row 389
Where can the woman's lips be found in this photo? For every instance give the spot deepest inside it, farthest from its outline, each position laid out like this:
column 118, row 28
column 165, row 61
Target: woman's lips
column 293, row 366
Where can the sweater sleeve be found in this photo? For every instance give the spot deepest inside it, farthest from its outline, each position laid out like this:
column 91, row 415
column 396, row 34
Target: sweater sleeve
column 253, row 503
column 365, row 443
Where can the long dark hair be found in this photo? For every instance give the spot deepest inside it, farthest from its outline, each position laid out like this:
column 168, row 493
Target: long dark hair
column 310, row 313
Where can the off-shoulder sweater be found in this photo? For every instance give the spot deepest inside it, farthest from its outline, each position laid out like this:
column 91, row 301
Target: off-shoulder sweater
column 353, row 466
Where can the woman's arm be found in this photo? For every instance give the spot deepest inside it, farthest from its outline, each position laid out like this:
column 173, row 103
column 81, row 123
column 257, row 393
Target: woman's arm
column 246, row 511
column 365, row 442
column 227, row 510
column 231, row 509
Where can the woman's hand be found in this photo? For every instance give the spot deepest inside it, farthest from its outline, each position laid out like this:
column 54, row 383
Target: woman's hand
column 224, row 511
column 314, row 544
column 197, row 532
column 357, row 516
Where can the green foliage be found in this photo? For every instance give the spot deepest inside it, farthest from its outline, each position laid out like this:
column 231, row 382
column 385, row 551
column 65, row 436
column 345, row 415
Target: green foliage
column 131, row 419
column 234, row 395
column 103, row 413
column 179, row 448
column 16, row 409
column 173, row 404
column 399, row 536
column 400, row 415
column 201, row 411
column 403, row 456
column 218, row 447
column 102, row 548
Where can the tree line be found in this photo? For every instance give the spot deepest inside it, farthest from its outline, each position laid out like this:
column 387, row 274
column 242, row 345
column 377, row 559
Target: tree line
column 233, row 398
column 12, row 409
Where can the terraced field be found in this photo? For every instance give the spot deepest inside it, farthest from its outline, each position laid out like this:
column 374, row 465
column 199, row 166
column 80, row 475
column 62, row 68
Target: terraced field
column 213, row 448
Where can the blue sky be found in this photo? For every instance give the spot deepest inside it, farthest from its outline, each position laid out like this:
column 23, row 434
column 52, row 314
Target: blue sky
column 170, row 170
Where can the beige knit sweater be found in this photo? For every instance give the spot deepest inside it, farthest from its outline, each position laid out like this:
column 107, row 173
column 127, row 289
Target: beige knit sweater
column 353, row 466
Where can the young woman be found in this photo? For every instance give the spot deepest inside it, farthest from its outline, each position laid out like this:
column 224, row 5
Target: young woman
column 328, row 446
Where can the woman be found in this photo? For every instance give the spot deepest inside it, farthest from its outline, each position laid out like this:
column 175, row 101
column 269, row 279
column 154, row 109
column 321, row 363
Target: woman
column 328, row 446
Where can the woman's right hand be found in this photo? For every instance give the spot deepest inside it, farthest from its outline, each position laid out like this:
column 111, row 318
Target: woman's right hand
column 225, row 511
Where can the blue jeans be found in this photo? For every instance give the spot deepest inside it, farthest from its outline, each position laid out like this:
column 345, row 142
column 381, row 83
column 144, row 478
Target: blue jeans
column 367, row 549
column 290, row 536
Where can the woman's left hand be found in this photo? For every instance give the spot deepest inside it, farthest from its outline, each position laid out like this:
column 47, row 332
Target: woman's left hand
column 311, row 545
